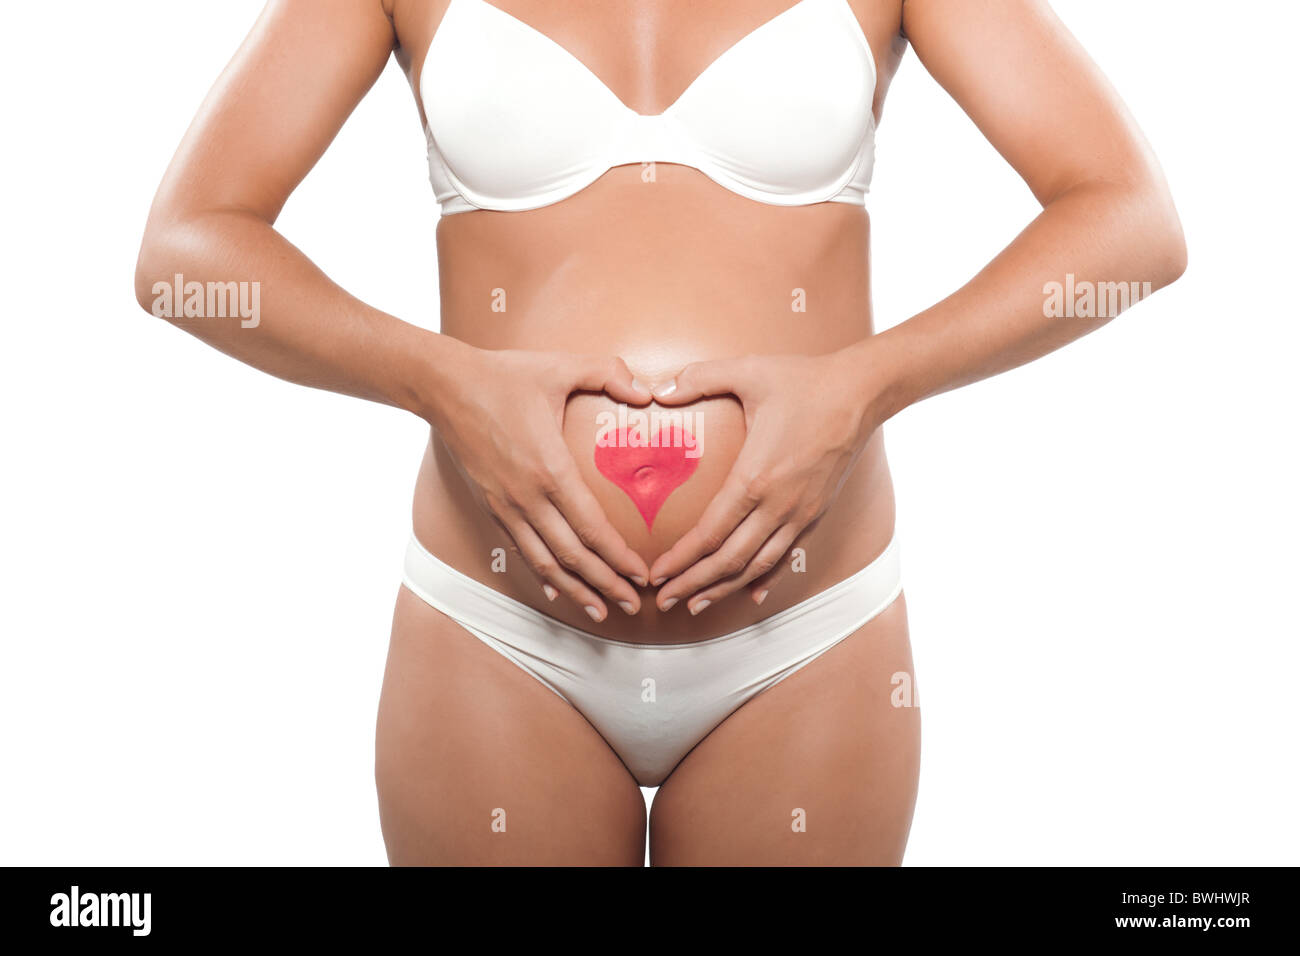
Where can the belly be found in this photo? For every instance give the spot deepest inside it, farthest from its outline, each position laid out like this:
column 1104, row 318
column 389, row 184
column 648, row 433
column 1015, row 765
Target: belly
column 653, row 469
column 616, row 271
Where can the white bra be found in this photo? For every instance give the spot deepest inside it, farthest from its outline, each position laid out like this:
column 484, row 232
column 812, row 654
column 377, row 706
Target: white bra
column 514, row 121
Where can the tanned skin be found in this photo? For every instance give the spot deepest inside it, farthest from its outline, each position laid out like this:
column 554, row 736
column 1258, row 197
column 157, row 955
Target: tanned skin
column 686, row 304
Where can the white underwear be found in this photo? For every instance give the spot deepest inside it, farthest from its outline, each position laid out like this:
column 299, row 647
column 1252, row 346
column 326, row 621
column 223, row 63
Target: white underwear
column 654, row 702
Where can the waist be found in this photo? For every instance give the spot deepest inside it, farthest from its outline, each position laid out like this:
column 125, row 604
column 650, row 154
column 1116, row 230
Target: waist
column 450, row 525
column 642, row 269
column 635, row 281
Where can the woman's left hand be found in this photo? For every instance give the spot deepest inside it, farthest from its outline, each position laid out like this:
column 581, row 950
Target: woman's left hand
column 807, row 421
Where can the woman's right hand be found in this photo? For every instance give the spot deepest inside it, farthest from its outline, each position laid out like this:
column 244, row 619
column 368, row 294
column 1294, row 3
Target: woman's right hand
column 501, row 414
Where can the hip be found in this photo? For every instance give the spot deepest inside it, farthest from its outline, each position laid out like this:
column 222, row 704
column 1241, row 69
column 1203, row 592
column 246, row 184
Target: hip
column 654, row 471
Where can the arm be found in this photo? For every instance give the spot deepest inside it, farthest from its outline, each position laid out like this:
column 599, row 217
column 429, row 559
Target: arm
column 1107, row 217
column 1107, row 213
column 269, row 118
column 278, row 105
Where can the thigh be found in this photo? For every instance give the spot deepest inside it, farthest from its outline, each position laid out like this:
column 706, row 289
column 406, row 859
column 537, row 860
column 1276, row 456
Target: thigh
column 819, row 770
column 477, row 763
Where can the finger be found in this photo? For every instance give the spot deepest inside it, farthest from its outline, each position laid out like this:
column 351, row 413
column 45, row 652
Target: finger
column 610, row 375
column 727, row 561
column 701, row 380
column 576, row 558
column 729, row 507
column 583, row 513
column 761, row 585
column 511, row 543
column 556, row 580
column 765, row 562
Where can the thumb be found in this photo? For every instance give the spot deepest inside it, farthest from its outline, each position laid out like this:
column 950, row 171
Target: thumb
column 612, row 376
column 701, row 380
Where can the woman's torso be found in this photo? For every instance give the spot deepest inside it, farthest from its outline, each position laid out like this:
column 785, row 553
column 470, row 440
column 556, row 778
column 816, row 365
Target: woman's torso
column 660, row 265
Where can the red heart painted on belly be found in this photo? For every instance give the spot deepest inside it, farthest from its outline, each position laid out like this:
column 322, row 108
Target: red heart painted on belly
column 648, row 470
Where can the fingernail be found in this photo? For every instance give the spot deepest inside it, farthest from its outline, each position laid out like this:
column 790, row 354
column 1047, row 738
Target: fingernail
column 700, row 606
column 657, row 581
column 666, row 389
column 639, row 581
column 550, row 592
column 761, row 596
column 668, row 605
column 627, row 607
column 639, row 385
column 593, row 612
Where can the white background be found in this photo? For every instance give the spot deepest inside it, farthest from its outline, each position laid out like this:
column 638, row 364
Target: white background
column 199, row 561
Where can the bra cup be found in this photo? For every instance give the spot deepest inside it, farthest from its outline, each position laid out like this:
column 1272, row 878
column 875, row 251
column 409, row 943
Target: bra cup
column 785, row 114
column 516, row 142
column 515, row 122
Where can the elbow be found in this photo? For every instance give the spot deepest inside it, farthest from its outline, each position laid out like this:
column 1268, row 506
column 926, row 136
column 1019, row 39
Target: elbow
column 1177, row 257
column 1163, row 243
column 1142, row 229
column 147, row 273
column 1171, row 250
column 154, row 268
column 146, row 293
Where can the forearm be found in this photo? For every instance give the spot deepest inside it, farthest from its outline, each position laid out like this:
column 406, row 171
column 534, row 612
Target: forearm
column 1099, row 233
column 308, row 330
